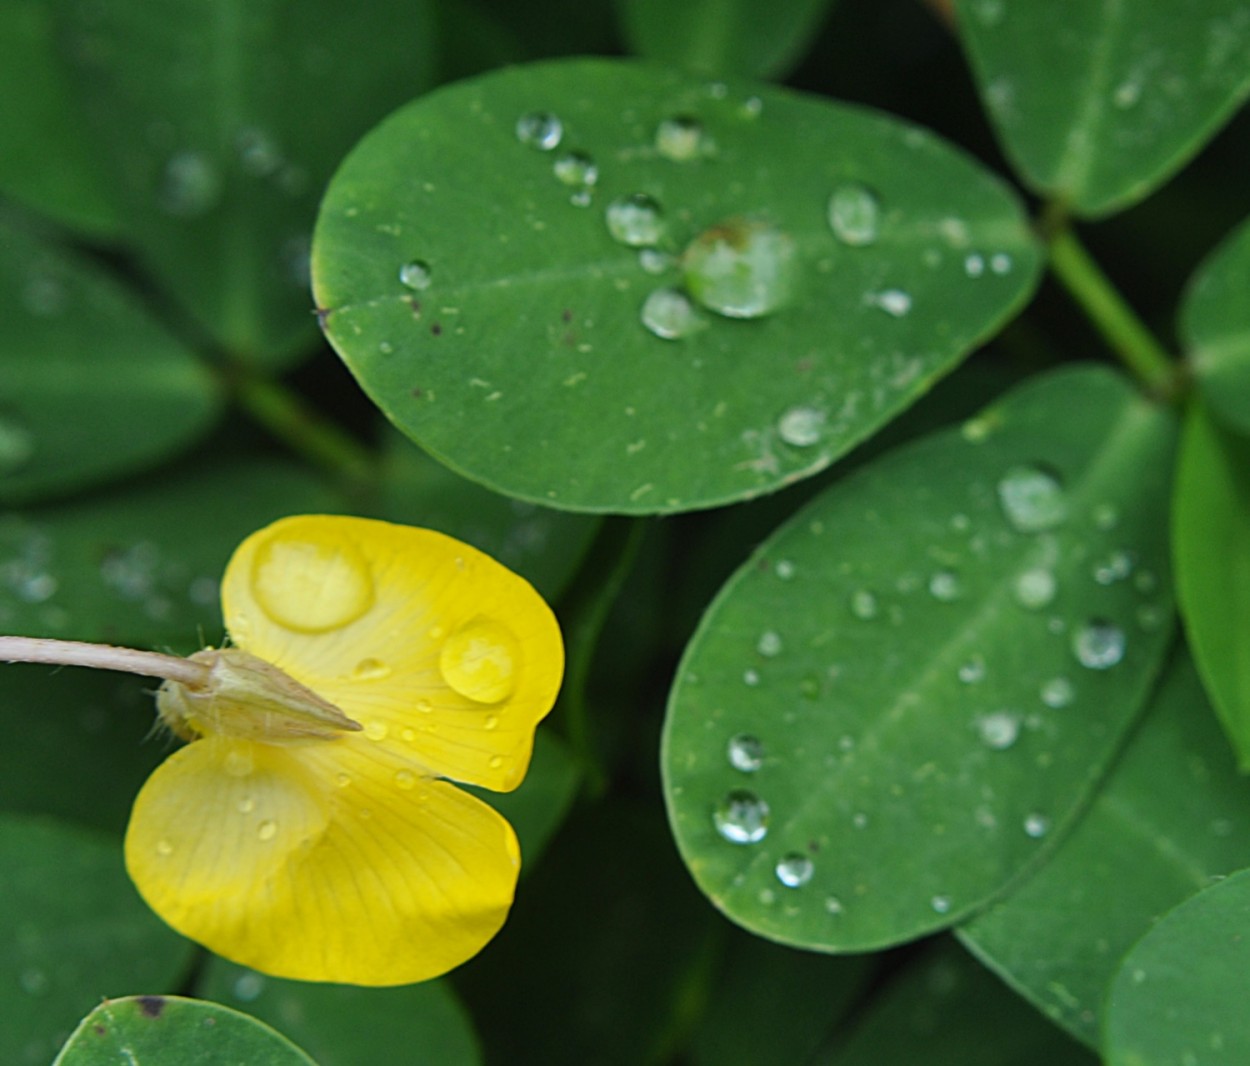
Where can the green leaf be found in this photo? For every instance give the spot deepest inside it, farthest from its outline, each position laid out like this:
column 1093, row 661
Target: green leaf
column 90, row 386
column 1180, row 996
column 945, row 1010
column 1169, row 819
column 723, row 36
column 172, row 1031
column 1211, row 552
column 908, row 693
column 341, row 1025
column 142, row 566
column 542, row 545
column 222, row 122
column 1099, row 102
column 46, row 160
column 72, row 929
column 91, row 725
column 500, row 325
column 1215, row 324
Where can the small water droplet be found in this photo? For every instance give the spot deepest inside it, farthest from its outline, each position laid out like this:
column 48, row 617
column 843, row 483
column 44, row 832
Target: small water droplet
column 406, row 780
column 974, row 265
column 894, row 302
column 1058, row 692
column 794, row 870
column 751, row 677
column 490, row 722
column 376, row 730
column 1116, row 567
column 854, row 214
column 670, row 315
column 248, row 987
column 741, row 817
column 267, row 830
column 576, row 169
column 864, row 605
column 1098, row 644
column 654, row 261
column 769, row 643
column 481, row 660
column 999, row 730
column 495, row 762
column 416, row 274
column 1145, row 581
column 190, row 185
column 740, row 268
column 1150, row 617
column 1032, row 498
column 972, row 671
column 245, row 805
column 946, row 586
column 1106, row 517
column 1035, row 588
column 370, row 669
column 258, row 154
column 1036, row 825
column 683, row 139
column 540, row 129
column 784, row 569
column 833, row 905
column 342, row 780
column 801, row 426
column 636, row 220
column 940, row 904
column 34, row 982
column 1127, row 93
column 1000, row 263
column 859, row 820
column 746, row 753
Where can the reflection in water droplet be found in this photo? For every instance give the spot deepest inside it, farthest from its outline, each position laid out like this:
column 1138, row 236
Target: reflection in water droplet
column 683, row 139
column 267, row 830
column 999, row 730
column 1032, row 498
column 769, row 643
column 854, row 214
column 670, row 315
column 576, row 168
column 794, row 870
column 1058, row 692
column 636, row 220
column 741, row 268
column 864, row 605
column 945, row 586
column 746, row 753
column 190, row 185
column 539, row 129
column 801, row 426
column 310, row 586
column 1037, row 825
column 416, row 275
column 1098, row 644
column 17, row 445
column 741, row 817
column 1035, row 588
column 481, row 660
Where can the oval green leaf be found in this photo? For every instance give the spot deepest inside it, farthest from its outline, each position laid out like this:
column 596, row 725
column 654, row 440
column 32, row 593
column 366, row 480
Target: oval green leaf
column 1171, row 817
column 1099, row 102
column 222, row 123
column 1211, row 550
column 142, row 566
column 908, row 693
column 90, row 386
column 469, row 279
column 1180, row 995
column 172, row 1031
column 723, row 36
column 341, row 1025
column 72, row 929
column 1215, row 324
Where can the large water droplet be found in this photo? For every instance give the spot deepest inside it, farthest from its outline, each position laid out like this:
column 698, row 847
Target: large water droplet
column 540, row 129
column 17, row 445
column 801, row 426
column 683, row 139
column 481, row 660
column 311, row 586
column 1098, row 644
column 670, row 315
column 794, row 870
column 190, row 185
column 741, row 817
column 999, row 730
column 1032, row 498
column 416, row 274
column 741, row 268
column 1035, row 588
column 636, row 220
column 746, row 753
column 854, row 214
column 576, row 169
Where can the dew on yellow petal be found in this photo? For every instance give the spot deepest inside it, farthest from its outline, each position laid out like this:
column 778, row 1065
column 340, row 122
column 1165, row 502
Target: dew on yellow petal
column 311, row 585
column 267, row 830
column 376, row 730
column 371, row 669
column 481, row 660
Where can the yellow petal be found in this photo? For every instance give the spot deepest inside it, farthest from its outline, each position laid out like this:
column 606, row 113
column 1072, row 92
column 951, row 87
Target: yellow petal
column 320, row 861
column 436, row 649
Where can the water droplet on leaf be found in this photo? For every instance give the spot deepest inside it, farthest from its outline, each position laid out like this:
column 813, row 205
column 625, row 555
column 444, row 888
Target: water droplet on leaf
column 999, row 730
column 670, row 315
column 854, row 214
column 864, row 605
column 801, row 426
column 1098, row 644
column 741, row 817
column 576, row 168
column 769, row 643
column 945, row 586
column 1058, row 692
column 1032, row 498
column 540, row 129
column 1037, row 825
column 416, row 275
column 636, row 220
column 746, row 753
column 1035, row 588
column 794, row 870
column 894, row 302
column 683, row 139
column 741, row 268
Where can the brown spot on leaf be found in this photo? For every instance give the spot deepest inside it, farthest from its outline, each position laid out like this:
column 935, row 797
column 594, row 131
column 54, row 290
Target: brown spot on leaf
column 151, row 1006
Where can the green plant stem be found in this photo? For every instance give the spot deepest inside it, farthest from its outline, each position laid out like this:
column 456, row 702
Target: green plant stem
column 1135, row 346
column 297, row 425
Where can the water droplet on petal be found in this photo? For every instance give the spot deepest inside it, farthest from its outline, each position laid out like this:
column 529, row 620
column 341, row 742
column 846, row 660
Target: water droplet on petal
column 794, row 870
column 1035, row 588
column 376, row 730
column 267, row 830
column 854, row 214
column 416, row 275
column 1032, row 498
column 741, row 817
column 1098, row 644
column 406, row 780
column 342, row 780
column 540, row 129
column 999, row 730
column 801, row 426
column 238, row 764
column 245, row 805
column 683, row 139
column 670, row 315
column 636, row 220
column 481, row 660
column 1058, row 692
column 310, row 586
column 746, row 753
column 370, row 669
column 741, row 268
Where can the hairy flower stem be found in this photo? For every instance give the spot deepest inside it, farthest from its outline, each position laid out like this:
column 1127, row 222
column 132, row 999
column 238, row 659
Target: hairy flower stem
column 194, row 675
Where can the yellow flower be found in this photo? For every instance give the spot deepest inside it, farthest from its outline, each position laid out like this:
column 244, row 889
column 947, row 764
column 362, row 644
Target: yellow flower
column 310, row 829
